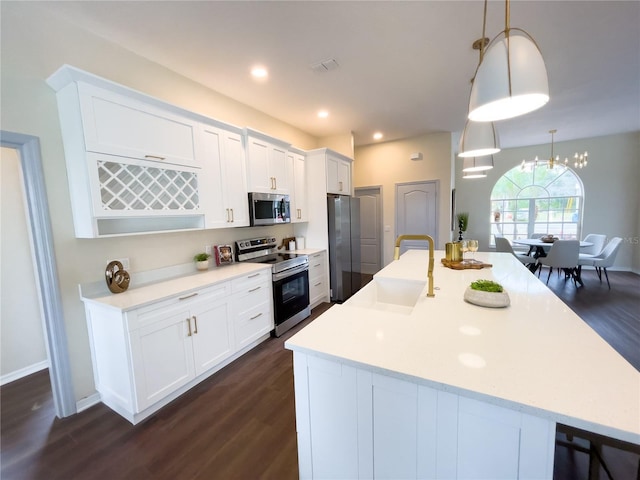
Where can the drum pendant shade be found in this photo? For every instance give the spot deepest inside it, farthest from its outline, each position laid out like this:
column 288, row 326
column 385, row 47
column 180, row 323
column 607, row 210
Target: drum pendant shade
column 478, row 139
column 477, row 164
column 511, row 80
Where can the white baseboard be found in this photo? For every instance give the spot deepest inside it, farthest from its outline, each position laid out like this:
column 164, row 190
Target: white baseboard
column 23, row 372
column 87, row 402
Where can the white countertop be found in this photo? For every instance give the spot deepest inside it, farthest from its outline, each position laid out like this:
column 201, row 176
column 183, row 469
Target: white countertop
column 535, row 356
column 145, row 295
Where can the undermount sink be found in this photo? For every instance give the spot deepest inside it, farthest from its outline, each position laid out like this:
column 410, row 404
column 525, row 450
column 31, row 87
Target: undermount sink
column 389, row 294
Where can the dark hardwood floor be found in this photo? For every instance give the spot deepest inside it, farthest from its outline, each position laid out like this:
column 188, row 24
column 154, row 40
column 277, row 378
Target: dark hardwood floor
column 240, row 423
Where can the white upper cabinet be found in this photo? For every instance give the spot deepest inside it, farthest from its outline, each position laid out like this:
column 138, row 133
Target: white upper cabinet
column 297, row 174
column 224, row 181
column 338, row 174
column 132, row 164
column 117, row 125
column 266, row 163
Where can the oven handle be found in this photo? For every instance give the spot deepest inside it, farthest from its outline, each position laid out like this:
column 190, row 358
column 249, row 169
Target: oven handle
column 291, row 271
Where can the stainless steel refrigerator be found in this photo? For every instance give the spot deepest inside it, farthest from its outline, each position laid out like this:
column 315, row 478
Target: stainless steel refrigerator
column 344, row 246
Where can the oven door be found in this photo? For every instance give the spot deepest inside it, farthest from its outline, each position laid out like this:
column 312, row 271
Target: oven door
column 290, row 293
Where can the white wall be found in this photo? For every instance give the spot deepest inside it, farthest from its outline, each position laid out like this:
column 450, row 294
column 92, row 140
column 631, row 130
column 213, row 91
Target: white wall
column 33, row 47
column 22, row 344
column 610, row 184
column 389, row 163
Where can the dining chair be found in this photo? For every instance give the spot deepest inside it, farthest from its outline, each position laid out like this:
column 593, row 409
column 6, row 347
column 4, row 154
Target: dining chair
column 563, row 254
column 504, row 245
column 598, row 242
column 605, row 259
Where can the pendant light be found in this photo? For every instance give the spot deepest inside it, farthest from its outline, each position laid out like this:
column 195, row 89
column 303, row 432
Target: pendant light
column 511, row 79
column 473, row 175
column 477, row 164
column 478, row 139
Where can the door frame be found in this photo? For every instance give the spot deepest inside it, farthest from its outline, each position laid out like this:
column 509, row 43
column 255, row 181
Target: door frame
column 41, row 239
column 380, row 223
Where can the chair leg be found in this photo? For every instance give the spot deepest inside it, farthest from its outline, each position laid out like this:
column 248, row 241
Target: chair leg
column 607, row 275
column 599, row 272
column 549, row 276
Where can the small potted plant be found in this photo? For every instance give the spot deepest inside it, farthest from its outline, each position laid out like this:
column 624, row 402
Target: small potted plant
column 202, row 261
column 487, row 293
column 463, row 223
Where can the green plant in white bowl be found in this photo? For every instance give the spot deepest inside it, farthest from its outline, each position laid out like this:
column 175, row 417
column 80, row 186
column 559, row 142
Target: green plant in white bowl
column 487, row 293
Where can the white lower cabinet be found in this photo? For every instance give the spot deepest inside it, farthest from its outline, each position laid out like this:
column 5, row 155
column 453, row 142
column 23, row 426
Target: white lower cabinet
column 353, row 423
column 145, row 357
column 318, row 285
column 252, row 309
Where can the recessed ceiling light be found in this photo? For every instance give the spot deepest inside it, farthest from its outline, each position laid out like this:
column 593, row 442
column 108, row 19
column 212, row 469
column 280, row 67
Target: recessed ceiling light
column 377, row 136
column 259, row 72
column 323, row 114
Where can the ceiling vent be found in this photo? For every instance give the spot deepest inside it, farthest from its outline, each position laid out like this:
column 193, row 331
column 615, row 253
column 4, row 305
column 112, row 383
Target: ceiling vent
column 325, row 66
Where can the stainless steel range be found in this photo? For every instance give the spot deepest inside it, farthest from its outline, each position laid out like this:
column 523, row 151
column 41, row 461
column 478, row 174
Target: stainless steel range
column 290, row 275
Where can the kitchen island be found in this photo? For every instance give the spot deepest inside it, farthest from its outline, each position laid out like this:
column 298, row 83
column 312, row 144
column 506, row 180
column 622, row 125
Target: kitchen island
column 392, row 384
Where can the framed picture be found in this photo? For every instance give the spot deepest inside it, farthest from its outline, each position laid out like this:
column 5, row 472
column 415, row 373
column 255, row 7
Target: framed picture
column 223, row 254
column 454, row 226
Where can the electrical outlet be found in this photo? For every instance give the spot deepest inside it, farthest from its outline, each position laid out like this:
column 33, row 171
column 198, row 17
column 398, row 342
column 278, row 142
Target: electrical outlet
column 207, row 249
column 124, row 262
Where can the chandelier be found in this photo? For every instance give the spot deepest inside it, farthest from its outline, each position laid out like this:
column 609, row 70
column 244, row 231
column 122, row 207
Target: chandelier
column 580, row 160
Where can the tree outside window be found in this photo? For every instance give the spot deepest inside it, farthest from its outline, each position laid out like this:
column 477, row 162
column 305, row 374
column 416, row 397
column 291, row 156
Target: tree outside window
column 536, row 201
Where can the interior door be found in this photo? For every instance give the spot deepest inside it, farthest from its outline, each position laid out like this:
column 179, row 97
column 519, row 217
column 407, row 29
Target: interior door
column 416, row 212
column 370, row 229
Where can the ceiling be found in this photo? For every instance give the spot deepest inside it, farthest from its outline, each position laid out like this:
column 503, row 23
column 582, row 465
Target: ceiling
column 404, row 68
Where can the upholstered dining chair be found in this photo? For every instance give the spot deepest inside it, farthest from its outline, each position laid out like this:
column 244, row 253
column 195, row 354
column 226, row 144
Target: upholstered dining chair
column 598, row 242
column 604, row 260
column 563, row 254
column 503, row 245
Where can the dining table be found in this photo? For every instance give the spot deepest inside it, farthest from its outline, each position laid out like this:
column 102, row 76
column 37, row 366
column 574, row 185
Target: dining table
column 539, row 249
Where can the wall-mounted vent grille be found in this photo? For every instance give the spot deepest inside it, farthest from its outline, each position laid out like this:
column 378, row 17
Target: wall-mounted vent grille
column 325, row 66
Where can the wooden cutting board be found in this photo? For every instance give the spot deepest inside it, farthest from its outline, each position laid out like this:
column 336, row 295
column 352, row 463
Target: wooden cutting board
column 473, row 264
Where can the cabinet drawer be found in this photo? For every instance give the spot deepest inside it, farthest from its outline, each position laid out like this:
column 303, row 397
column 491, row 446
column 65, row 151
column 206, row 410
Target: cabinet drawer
column 252, row 323
column 153, row 313
column 316, row 266
column 251, row 280
column 317, row 289
column 121, row 126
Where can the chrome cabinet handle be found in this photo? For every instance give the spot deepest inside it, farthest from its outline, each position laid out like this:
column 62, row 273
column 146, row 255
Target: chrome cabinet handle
column 340, row 186
column 232, row 219
column 154, row 156
column 195, row 321
column 189, row 323
column 254, row 275
column 254, row 289
column 318, row 284
column 188, row 296
column 256, row 316
column 228, row 217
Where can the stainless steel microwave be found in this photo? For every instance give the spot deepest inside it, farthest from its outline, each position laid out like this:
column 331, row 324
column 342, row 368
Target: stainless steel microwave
column 269, row 209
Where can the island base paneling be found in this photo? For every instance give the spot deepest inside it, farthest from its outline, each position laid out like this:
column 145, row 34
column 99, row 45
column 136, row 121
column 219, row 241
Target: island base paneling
column 357, row 423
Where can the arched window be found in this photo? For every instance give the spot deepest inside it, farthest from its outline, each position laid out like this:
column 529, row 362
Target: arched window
column 537, row 200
